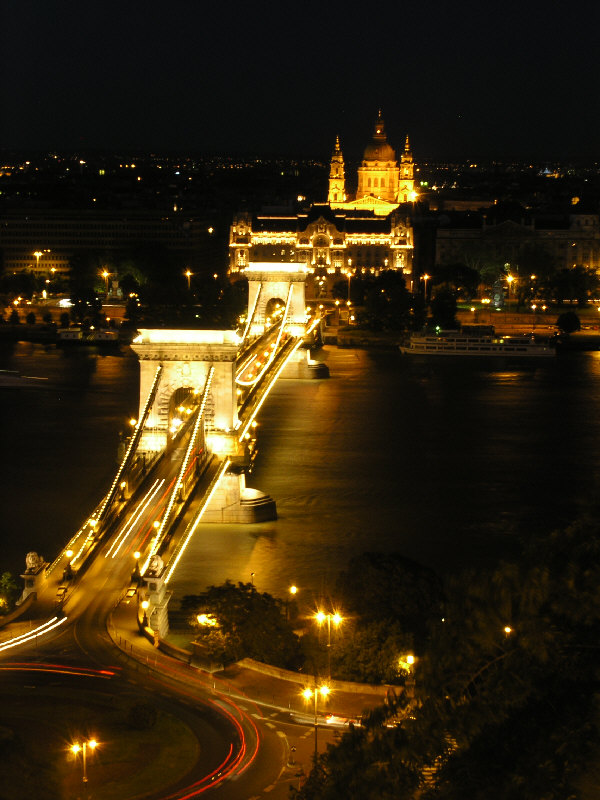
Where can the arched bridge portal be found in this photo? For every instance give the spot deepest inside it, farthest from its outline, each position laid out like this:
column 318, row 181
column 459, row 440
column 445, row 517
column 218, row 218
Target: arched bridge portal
column 269, row 282
column 186, row 357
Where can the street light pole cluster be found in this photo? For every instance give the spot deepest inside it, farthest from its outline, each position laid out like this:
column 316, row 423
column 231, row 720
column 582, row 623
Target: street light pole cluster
column 321, row 617
column 83, row 748
column 309, row 694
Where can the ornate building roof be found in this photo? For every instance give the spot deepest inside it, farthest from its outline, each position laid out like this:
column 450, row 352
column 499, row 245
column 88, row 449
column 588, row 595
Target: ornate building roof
column 378, row 149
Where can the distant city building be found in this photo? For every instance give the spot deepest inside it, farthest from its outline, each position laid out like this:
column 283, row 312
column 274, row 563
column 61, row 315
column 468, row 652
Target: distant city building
column 59, row 235
column 344, row 236
column 478, row 238
column 382, row 183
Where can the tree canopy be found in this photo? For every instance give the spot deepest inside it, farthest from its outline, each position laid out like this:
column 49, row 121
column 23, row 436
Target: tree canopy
column 249, row 624
column 506, row 690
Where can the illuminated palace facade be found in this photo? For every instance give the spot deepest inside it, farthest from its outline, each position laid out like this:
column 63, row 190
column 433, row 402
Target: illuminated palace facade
column 345, row 236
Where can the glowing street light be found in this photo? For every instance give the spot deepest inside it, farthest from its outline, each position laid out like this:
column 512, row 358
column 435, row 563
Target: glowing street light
column 337, row 620
column 293, row 592
column 83, row 748
column 425, row 278
column 145, row 607
column 309, row 694
column 349, row 277
column 509, row 280
column 188, row 274
column 38, row 254
column 106, row 276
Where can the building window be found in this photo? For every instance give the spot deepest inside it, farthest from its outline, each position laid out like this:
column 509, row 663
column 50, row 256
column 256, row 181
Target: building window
column 383, row 181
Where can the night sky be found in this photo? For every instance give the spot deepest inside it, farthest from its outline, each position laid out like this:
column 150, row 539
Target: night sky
column 464, row 79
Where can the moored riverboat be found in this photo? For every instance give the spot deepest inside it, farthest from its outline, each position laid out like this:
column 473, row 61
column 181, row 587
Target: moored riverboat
column 478, row 341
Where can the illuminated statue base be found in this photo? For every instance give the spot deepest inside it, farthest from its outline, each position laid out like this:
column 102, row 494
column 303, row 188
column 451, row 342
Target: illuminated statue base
column 234, row 502
column 34, row 576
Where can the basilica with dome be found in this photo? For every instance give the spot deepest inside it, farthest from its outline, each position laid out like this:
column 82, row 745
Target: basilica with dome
column 346, row 235
column 383, row 183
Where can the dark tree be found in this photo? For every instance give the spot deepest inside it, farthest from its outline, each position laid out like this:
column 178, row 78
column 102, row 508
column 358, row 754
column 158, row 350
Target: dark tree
column 8, row 592
column 250, row 624
column 568, row 322
column 506, row 692
column 387, row 587
column 443, row 309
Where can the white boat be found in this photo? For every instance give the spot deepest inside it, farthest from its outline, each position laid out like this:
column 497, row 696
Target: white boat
column 475, row 342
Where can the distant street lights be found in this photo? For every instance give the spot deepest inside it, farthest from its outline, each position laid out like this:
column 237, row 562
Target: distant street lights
column 309, row 694
column 83, row 748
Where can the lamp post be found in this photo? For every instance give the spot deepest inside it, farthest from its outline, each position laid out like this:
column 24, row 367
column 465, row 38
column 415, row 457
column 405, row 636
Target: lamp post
column 188, row 275
column 509, row 280
column 425, row 278
column 349, row 276
column 145, row 607
column 83, row 747
column 337, row 620
column 293, row 592
column 106, row 276
column 314, row 693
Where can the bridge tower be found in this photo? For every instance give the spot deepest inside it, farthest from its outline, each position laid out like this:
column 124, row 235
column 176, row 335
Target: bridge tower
column 186, row 357
column 271, row 284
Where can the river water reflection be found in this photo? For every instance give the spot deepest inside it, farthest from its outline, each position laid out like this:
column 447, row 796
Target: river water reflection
column 448, row 463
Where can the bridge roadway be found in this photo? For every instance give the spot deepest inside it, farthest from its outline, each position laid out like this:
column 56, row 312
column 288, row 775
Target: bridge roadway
column 100, row 631
column 234, row 743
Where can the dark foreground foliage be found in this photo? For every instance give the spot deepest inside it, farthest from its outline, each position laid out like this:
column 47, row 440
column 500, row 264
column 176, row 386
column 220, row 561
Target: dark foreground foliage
column 507, row 691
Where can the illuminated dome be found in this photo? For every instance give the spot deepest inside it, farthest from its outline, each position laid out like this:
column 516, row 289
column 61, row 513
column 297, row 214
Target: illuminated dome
column 379, row 149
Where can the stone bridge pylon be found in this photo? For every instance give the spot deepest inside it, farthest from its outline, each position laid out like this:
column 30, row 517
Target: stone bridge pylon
column 187, row 357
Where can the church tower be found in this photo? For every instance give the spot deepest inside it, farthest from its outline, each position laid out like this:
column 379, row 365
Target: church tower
column 406, row 189
column 337, row 183
column 378, row 174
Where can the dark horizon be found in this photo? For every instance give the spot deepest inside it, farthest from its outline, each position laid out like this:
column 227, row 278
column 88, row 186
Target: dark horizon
column 508, row 82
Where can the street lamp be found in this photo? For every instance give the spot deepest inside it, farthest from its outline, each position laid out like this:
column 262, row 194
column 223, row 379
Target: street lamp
column 425, row 278
column 188, row 275
column 145, row 607
column 308, row 694
column 509, row 280
column 83, row 747
column 38, row 254
column 349, row 273
column 106, row 276
column 337, row 620
column 293, row 591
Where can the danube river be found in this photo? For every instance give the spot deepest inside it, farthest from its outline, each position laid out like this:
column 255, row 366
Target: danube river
column 449, row 463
